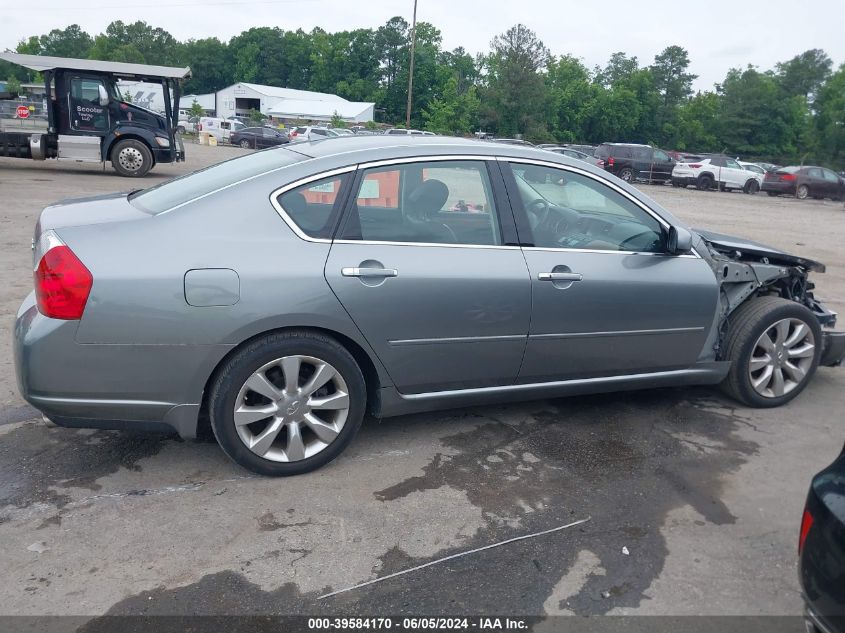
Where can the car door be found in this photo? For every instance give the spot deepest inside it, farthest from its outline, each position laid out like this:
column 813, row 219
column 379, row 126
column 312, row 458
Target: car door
column 607, row 299
column 662, row 165
column 427, row 265
column 834, row 184
column 734, row 175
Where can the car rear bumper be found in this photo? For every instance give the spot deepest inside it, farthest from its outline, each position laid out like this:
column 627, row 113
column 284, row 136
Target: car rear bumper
column 142, row 387
column 777, row 187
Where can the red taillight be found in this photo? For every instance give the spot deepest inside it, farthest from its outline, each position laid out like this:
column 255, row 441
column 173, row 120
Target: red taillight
column 694, row 165
column 806, row 524
column 787, row 177
column 611, row 161
column 62, row 284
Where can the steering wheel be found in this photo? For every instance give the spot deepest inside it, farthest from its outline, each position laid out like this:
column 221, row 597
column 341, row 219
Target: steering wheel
column 538, row 212
column 451, row 232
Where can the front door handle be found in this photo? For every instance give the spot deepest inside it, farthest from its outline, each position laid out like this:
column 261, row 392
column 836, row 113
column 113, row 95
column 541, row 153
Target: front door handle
column 560, row 276
column 369, row 272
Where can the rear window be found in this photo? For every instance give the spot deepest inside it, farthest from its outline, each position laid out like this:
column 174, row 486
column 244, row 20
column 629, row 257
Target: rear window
column 173, row 193
column 789, row 170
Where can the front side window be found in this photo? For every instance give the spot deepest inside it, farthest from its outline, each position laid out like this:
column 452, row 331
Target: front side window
column 314, row 206
column 438, row 202
column 661, row 155
column 830, row 176
column 569, row 210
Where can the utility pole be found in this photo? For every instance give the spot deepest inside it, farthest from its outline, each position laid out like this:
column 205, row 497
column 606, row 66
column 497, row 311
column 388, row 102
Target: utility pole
column 411, row 68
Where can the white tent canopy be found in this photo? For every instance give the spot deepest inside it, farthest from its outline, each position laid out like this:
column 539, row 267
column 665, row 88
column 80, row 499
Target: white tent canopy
column 322, row 110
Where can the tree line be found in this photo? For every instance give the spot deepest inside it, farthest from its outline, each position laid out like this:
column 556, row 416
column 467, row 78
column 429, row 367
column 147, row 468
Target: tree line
column 794, row 112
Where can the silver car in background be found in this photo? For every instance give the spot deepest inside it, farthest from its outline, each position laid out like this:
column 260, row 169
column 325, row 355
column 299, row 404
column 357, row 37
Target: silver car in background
column 280, row 296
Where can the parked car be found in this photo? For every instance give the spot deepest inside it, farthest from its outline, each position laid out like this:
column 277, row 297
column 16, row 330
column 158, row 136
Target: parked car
column 258, row 137
column 685, row 157
column 400, row 131
column 717, row 171
column 221, row 129
column 312, row 133
column 370, row 274
column 511, row 141
column 631, row 162
column 188, row 125
column 805, row 182
column 821, row 551
column 574, row 153
column 757, row 169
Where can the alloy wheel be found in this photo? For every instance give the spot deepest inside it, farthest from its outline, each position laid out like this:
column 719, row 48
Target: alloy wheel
column 291, row 408
column 782, row 358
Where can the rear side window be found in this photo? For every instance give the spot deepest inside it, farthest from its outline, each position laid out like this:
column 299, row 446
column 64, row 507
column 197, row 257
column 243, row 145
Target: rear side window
column 176, row 192
column 314, row 206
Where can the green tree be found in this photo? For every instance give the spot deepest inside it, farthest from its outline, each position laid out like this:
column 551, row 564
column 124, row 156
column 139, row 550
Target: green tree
column 515, row 95
column 830, row 118
column 804, row 74
column 211, row 62
column 196, row 109
column 674, row 85
column 71, row 41
column 452, row 112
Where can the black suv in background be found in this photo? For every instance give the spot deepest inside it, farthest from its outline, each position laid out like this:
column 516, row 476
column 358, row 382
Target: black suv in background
column 633, row 162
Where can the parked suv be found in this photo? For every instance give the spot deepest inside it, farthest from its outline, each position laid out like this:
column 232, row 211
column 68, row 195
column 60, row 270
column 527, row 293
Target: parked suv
column 633, row 162
column 716, row 171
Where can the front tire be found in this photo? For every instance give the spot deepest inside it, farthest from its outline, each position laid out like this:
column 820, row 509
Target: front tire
column 131, row 158
column 774, row 346
column 287, row 403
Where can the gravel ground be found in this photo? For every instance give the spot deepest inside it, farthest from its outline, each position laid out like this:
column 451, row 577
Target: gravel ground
column 705, row 495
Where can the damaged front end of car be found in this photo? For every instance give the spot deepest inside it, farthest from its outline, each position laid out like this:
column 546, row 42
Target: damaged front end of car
column 747, row 269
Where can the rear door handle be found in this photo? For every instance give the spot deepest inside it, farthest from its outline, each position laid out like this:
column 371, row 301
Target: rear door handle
column 369, row 272
column 560, row 276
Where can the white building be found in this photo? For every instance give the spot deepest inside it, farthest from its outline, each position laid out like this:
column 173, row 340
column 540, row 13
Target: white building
column 287, row 103
column 206, row 102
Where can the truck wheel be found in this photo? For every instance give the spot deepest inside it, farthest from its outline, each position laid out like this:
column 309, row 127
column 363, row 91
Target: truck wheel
column 774, row 346
column 131, row 158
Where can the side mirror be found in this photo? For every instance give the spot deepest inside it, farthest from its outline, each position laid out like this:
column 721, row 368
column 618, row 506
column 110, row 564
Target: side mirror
column 103, row 95
column 679, row 242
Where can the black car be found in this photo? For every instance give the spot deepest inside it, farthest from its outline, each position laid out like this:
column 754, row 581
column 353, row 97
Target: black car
column 258, row 137
column 633, row 162
column 805, row 182
column 821, row 549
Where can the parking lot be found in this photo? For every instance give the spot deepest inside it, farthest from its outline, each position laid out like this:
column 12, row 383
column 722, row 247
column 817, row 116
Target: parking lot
column 704, row 495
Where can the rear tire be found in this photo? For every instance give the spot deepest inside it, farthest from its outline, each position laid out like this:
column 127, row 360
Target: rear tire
column 131, row 158
column 704, row 182
column 302, row 428
column 626, row 174
column 245, row 144
column 802, row 192
column 774, row 346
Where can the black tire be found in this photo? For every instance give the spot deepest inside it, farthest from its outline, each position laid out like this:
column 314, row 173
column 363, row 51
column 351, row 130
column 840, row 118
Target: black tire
column 751, row 187
column 245, row 144
column 240, row 366
column 802, row 192
column 626, row 174
column 704, row 182
column 131, row 158
column 676, row 184
column 745, row 327
column 772, row 194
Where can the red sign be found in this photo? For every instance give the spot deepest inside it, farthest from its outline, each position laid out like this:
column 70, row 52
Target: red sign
column 23, row 112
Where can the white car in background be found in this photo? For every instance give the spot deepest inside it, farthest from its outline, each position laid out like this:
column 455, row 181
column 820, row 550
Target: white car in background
column 220, row 129
column 756, row 169
column 720, row 172
column 311, row 133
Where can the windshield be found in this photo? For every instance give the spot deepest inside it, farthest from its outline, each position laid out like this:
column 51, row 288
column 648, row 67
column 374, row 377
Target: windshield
column 551, row 185
column 173, row 193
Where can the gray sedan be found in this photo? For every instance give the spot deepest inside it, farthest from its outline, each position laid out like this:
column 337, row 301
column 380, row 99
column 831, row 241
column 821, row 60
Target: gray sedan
column 276, row 298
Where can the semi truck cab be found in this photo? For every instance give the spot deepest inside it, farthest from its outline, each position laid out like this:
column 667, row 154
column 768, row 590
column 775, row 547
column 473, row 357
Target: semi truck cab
column 87, row 119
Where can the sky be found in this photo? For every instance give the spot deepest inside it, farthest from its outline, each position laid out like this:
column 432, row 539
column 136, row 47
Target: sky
column 727, row 34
